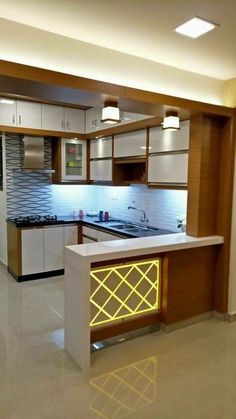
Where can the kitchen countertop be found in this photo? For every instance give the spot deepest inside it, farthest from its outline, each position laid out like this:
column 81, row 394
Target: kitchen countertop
column 101, row 251
column 94, row 222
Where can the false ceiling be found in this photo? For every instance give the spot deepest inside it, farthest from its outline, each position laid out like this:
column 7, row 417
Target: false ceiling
column 142, row 28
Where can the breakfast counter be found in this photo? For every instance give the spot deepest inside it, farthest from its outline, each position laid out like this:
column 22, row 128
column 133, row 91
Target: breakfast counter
column 117, row 286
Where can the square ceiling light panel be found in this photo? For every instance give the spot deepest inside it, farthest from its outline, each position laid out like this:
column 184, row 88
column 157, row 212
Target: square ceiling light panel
column 195, row 27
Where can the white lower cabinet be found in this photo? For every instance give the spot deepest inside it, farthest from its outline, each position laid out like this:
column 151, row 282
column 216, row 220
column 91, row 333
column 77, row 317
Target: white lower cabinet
column 53, row 248
column 92, row 235
column 70, row 235
column 32, row 251
column 103, row 237
column 43, row 248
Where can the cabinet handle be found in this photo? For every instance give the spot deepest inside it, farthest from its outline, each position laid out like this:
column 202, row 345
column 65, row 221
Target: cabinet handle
column 67, row 125
column 19, row 119
column 62, row 124
column 13, row 119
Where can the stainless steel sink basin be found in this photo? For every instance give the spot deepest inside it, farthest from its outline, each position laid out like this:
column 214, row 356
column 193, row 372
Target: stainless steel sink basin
column 123, row 226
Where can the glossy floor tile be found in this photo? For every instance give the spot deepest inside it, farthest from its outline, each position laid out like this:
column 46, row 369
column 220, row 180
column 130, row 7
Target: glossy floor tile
column 190, row 373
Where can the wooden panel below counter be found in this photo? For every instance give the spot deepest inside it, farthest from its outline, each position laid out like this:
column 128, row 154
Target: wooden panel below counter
column 188, row 283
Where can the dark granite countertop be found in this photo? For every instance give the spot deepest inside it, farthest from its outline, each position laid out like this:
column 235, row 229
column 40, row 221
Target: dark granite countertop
column 104, row 226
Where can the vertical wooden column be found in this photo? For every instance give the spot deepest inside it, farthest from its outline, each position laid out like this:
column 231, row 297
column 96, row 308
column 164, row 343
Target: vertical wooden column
column 210, row 188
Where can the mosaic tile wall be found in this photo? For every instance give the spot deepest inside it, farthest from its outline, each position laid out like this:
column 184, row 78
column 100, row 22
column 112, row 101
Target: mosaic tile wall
column 28, row 192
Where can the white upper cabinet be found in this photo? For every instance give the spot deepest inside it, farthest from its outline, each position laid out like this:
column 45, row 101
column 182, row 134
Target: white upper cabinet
column 73, row 159
column 74, row 120
column 29, row 114
column 165, row 141
column 7, row 112
column 168, row 168
column 57, row 118
column 101, row 170
column 93, row 118
column 101, row 147
column 53, row 118
column 130, row 144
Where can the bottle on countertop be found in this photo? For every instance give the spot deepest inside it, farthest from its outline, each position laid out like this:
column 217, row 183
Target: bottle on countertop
column 100, row 215
column 106, row 216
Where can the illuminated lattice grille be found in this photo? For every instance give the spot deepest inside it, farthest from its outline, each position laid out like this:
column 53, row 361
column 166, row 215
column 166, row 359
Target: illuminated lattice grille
column 122, row 291
column 125, row 390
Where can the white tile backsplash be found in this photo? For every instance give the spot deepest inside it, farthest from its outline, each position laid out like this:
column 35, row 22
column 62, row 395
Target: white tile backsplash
column 161, row 206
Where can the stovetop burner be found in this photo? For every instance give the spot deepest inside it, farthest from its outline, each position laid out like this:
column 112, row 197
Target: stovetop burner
column 34, row 220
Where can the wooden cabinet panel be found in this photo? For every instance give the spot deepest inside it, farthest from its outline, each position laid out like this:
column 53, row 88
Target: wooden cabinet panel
column 32, row 251
column 163, row 141
column 29, row 114
column 101, row 170
column 101, row 147
column 53, row 248
column 130, row 144
column 168, row 168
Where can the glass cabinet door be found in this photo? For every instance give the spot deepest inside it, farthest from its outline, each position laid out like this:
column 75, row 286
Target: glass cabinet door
column 73, row 159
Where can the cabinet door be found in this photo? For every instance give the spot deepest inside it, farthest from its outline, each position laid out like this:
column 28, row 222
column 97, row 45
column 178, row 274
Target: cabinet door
column 70, row 235
column 130, row 144
column 101, row 147
column 52, row 118
column 73, row 160
column 32, row 251
column 90, row 232
column 7, row 112
column 102, row 237
column 162, row 140
column 101, row 170
column 87, row 240
column 29, row 114
column 168, row 168
column 74, row 120
column 53, row 238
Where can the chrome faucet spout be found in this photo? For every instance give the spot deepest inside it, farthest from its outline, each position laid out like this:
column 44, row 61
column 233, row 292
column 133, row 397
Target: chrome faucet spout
column 144, row 217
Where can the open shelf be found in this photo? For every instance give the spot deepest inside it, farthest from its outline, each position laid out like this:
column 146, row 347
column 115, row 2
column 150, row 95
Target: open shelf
column 129, row 171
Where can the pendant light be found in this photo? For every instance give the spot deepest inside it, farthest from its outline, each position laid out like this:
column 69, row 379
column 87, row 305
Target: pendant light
column 171, row 121
column 110, row 113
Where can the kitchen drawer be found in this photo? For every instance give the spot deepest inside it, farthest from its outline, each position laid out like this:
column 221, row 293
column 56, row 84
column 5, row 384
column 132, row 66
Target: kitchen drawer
column 90, row 232
column 102, row 236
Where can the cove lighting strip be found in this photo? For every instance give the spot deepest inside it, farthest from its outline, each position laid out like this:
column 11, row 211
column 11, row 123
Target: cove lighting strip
column 123, row 291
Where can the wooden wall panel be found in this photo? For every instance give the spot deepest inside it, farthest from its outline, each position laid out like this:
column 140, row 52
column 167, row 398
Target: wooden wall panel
column 203, row 177
column 14, row 249
column 188, row 283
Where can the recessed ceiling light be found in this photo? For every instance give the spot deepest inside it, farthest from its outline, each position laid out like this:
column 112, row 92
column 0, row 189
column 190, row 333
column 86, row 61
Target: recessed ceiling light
column 195, row 27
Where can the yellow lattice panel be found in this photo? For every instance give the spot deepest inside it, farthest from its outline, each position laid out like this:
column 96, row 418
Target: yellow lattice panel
column 123, row 291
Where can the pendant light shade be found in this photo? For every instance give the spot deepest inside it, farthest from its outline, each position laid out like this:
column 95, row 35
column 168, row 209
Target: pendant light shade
column 171, row 121
column 110, row 114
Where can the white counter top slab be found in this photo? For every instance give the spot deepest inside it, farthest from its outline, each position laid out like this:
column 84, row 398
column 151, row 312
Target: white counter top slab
column 108, row 250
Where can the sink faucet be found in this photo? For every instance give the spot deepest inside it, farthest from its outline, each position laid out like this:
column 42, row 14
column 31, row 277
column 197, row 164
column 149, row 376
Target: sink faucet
column 144, row 217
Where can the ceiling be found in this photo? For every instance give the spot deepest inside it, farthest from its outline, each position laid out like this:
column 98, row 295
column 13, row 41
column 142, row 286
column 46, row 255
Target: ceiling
column 143, row 28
